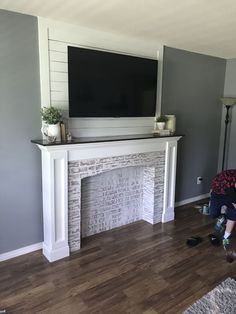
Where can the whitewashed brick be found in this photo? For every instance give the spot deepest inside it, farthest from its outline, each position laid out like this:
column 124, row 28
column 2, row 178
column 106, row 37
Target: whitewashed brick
column 112, row 198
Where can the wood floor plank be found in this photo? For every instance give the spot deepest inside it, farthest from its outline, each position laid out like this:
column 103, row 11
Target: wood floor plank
column 136, row 269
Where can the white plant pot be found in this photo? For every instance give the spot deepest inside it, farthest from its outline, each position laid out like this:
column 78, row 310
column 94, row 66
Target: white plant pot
column 52, row 131
column 161, row 125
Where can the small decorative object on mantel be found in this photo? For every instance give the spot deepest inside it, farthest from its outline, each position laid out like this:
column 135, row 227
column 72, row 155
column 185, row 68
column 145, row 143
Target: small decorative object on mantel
column 68, row 136
column 52, row 118
column 161, row 122
column 159, row 126
column 171, row 122
column 63, row 131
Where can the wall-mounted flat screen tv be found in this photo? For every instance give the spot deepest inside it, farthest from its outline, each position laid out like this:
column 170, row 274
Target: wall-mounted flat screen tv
column 105, row 84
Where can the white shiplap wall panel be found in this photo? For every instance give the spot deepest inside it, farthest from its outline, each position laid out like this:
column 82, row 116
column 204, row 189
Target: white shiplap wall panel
column 57, row 46
column 58, row 56
column 106, row 131
column 92, row 38
column 59, row 77
column 59, row 86
column 61, row 103
column 58, row 66
column 59, row 95
column 110, row 122
column 85, row 126
column 58, row 73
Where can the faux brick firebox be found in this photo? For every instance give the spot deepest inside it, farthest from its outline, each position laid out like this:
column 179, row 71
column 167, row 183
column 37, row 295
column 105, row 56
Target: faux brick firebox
column 151, row 179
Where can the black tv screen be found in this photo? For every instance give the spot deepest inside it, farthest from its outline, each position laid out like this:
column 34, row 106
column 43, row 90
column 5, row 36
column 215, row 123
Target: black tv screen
column 104, row 84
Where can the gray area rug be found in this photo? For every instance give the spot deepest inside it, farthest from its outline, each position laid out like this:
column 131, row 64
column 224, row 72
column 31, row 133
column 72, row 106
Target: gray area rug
column 221, row 300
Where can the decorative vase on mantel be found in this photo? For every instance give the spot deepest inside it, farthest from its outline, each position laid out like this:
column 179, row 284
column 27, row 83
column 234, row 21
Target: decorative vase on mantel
column 51, row 129
column 52, row 132
column 171, row 123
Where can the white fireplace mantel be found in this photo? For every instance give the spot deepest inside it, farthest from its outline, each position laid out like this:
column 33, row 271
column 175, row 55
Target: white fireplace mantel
column 55, row 159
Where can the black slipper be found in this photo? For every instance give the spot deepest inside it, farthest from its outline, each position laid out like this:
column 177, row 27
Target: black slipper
column 214, row 240
column 193, row 241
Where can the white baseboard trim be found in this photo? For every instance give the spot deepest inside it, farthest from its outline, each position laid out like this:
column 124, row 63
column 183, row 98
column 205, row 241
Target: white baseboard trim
column 193, row 199
column 21, row 251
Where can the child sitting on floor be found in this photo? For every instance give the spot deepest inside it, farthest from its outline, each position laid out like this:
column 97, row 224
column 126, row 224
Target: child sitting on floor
column 223, row 193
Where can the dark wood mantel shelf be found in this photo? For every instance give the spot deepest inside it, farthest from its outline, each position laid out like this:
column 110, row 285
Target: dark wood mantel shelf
column 97, row 139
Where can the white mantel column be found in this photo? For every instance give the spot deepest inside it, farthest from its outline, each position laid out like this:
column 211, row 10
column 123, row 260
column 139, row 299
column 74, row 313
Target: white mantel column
column 55, row 204
column 168, row 213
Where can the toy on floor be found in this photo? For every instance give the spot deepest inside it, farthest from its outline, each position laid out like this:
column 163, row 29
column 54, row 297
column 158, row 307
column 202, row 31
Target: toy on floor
column 193, row 241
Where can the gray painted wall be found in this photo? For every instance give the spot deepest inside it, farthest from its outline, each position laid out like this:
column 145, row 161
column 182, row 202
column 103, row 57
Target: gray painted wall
column 20, row 173
column 192, row 87
column 230, row 91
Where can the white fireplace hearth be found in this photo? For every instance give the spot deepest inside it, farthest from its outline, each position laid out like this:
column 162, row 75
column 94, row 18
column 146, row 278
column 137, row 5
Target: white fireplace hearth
column 65, row 166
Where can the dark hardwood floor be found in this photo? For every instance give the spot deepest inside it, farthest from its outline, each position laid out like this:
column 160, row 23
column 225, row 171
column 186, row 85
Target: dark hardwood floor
column 138, row 268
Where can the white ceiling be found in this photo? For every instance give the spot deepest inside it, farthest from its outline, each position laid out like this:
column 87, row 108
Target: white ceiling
column 205, row 26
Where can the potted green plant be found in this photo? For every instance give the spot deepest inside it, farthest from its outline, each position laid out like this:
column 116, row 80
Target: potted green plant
column 52, row 117
column 160, row 122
